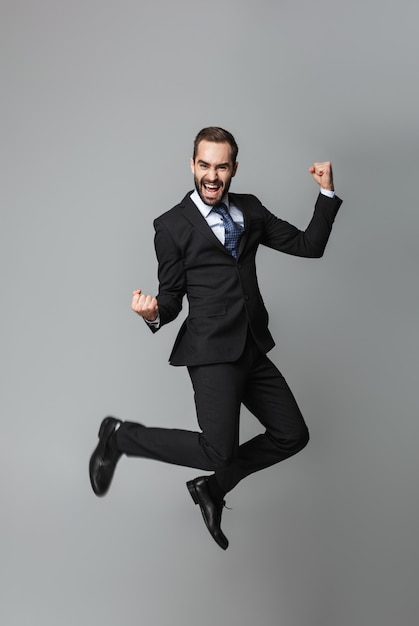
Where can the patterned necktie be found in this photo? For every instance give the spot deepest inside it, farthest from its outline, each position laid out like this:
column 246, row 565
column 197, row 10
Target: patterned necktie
column 233, row 231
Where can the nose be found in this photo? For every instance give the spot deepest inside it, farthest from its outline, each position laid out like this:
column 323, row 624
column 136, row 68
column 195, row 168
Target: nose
column 212, row 175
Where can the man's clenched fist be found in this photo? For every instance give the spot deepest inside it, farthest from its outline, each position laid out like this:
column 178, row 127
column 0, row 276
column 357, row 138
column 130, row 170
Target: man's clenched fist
column 322, row 174
column 146, row 306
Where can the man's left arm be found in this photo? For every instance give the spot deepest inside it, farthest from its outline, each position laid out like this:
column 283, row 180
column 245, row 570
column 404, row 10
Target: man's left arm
column 285, row 237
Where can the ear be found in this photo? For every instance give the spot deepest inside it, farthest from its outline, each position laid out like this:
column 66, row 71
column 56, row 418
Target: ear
column 235, row 166
column 192, row 165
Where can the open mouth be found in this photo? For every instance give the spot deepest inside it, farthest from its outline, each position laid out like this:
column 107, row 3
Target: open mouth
column 211, row 189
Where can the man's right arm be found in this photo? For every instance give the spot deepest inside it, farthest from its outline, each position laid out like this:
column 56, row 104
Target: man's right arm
column 165, row 307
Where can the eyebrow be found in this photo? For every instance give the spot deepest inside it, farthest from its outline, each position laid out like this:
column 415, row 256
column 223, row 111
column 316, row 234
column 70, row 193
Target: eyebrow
column 226, row 164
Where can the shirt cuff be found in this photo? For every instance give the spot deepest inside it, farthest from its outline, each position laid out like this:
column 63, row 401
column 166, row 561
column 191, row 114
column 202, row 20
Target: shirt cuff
column 155, row 323
column 327, row 192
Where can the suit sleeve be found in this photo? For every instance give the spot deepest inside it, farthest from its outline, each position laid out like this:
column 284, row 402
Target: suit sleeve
column 171, row 274
column 280, row 235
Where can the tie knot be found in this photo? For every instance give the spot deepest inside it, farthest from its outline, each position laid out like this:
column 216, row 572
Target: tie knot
column 221, row 209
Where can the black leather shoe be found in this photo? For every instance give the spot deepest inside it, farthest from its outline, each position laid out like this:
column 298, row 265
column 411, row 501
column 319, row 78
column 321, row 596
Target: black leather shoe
column 211, row 510
column 105, row 457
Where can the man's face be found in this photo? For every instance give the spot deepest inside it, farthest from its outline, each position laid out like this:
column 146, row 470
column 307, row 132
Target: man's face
column 213, row 170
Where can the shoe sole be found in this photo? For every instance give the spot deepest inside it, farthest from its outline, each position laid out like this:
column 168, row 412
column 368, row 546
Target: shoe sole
column 100, row 449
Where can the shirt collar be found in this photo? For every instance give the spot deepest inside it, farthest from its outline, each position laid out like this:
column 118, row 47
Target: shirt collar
column 206, row 209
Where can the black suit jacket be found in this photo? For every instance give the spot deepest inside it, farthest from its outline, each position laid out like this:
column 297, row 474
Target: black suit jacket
column 223, row 293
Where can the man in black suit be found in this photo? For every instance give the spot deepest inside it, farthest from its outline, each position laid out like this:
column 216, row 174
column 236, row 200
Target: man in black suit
column 206, row 248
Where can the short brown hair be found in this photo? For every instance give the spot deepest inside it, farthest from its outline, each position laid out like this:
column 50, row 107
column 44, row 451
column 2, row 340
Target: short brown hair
column 218, row 135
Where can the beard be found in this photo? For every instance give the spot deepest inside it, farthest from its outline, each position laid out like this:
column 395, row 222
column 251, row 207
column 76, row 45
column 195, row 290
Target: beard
column 211, row 199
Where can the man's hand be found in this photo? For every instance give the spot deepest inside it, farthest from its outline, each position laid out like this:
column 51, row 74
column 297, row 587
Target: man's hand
column 146, row 306
column 322, row 174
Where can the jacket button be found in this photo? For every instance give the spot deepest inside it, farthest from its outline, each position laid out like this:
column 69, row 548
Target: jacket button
column 246, row 297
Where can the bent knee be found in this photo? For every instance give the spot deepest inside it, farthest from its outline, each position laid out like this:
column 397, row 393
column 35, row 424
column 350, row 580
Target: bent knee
column 291, row 442
column 300, row 438
column 303, row 438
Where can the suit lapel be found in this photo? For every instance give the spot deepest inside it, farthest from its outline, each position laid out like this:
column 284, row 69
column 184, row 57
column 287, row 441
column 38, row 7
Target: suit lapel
column 195, row 217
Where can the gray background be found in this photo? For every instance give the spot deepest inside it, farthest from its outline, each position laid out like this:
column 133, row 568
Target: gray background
column 101, row 101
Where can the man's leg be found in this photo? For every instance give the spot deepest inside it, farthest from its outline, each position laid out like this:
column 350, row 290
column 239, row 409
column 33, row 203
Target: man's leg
column 218, row 390
column 269, row 398
column 218, row 393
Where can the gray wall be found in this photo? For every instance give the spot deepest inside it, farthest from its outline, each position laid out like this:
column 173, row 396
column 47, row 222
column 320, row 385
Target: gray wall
column 101, row 101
